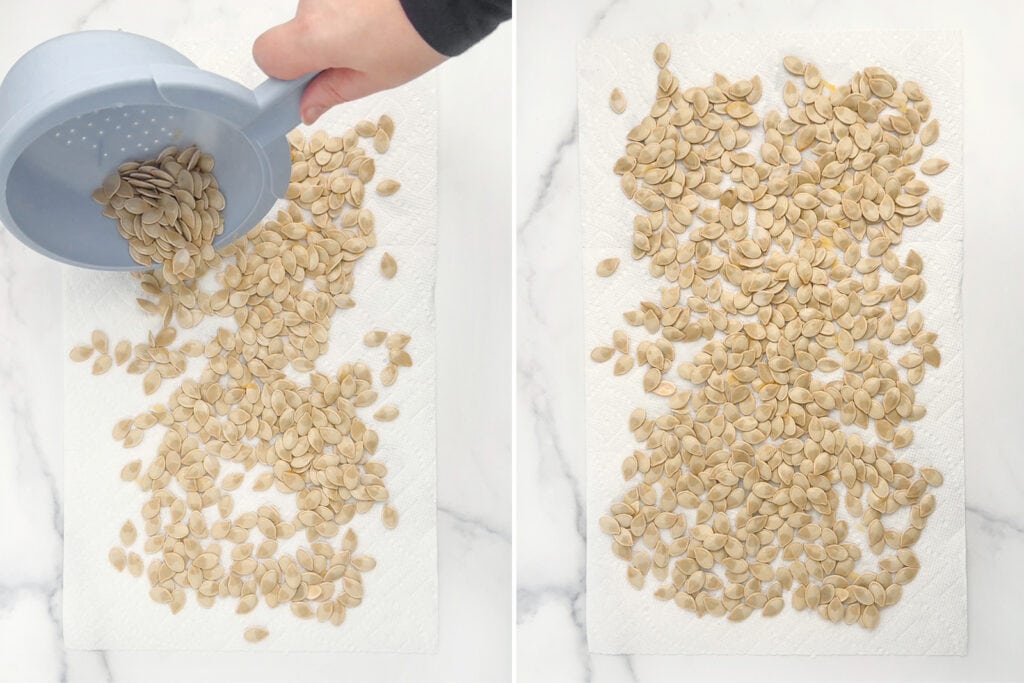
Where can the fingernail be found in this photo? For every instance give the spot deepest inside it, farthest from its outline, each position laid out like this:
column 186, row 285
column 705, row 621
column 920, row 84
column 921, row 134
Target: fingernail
column 312, row 113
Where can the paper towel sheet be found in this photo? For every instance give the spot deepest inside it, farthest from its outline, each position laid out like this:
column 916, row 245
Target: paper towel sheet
column 107, row 610
column 932, row 615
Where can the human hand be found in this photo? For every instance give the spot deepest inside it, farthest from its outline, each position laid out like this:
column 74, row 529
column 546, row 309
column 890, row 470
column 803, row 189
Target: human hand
column 361, row 46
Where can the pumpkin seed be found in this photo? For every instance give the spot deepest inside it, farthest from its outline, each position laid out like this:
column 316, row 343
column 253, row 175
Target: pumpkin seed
column 617, row 101
column 101, row 364
column 661, row 55
column 122, row 351
column 117, row 558
column 934, row 166
column 99, row 340
column 386, row 413
column 623, row 364
column 131, row 470
column 607, row 266
column 388, row 266
column 794, row 65
column 255, row 634
column 374, row 338
column 389, row 516
column 930, row 132
column 128, row 533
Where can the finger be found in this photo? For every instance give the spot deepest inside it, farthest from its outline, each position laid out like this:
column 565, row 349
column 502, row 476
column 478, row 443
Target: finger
column 331, row 87
column 285, row 51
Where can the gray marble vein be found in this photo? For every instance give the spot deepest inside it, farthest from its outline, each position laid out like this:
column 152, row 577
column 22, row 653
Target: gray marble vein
column 999, row 523
column 105, row 664
column 547, row 431
column 29, row 449
column 573, row 599
column 474, row 525
column 566, row 144
column 80, row 22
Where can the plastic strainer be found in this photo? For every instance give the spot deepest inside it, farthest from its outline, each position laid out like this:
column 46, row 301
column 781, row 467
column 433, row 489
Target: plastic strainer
column 77, row 106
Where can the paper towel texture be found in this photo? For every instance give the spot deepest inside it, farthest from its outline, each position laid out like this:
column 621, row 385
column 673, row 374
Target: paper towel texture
column 107, row 610
column 932, row 615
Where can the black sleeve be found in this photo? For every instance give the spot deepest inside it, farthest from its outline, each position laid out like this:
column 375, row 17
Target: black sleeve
column 452, row 26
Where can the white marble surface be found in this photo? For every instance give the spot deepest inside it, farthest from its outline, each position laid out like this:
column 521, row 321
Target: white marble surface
column 551, row 633
column 474, row 463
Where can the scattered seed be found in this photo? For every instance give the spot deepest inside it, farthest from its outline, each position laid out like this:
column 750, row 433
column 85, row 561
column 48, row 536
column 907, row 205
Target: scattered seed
column 389, row 516
column 131, row 470
column 620, row 341
column 151, row 382
column 255, row 634
column 101, row 364
column 388, row 187
column 934, row 166
column 117, row 558
column 794, row 65
column 128, row 533
column 617, row 101
column 661, row 55
column 930, row 132
column 773, row 607
column 386, row 413
column 121, row 428
column 932, row 476
column 99, row 341
column 263, row 482
column 381, row 141
column 607, row 266
column 388, row 266
column 374, row 337
column 164, row 337
column 122, row 351
column 232, row 481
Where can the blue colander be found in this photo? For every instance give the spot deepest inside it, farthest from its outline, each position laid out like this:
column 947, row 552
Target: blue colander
column 76, row 107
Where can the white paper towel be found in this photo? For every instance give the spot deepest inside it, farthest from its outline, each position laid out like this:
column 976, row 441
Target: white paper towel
column 931, row 618
column 107, row 610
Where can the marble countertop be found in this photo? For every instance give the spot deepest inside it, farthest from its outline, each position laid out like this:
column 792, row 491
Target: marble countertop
column 474, row 464
column 551, row 619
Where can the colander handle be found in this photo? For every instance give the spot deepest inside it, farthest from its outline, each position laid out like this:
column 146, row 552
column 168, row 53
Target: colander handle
column 279, row 107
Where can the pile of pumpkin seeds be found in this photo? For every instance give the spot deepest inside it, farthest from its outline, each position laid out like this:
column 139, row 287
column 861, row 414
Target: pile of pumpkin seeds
column 168, row 208
column 740, row 489
column 243, row 421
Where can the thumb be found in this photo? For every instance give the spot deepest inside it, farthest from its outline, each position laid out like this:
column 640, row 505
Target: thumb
column 331, row 87
column 276, row 54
